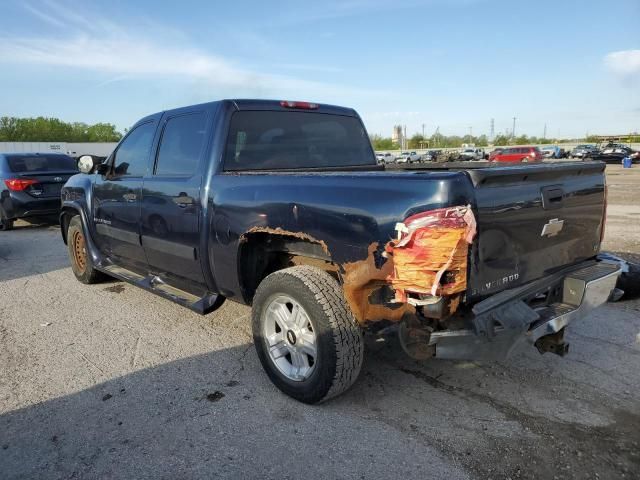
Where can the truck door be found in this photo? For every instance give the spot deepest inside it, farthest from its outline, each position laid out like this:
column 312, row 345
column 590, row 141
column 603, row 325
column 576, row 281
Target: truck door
column 116, row 197
column 171, row 205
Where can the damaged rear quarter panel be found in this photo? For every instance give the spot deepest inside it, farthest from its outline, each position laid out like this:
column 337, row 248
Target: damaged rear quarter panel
column 351, row 214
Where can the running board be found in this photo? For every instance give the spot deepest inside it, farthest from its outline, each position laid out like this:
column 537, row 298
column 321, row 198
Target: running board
column 154, row 284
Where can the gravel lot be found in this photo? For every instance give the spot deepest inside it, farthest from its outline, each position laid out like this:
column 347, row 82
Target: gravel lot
column 108, row 381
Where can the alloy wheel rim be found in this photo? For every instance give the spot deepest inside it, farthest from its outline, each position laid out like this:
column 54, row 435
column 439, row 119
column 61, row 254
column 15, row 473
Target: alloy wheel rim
column 290, row 337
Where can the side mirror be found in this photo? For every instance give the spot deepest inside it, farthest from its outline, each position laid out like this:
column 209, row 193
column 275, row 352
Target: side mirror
column 85, row 163
column 103, row 168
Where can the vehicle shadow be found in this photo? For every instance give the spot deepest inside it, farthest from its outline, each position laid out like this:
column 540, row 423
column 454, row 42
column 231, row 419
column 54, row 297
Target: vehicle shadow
column 200, row 417
column 217, row 414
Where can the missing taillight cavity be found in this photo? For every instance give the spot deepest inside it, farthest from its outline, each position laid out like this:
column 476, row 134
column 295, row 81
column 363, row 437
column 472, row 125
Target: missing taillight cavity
column 430, row 253
column 299, row 105
column 19, row 184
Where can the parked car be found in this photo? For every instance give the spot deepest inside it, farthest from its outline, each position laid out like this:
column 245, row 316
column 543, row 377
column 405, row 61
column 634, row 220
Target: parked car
column 614, row 155
column 431, row 155
column 519, row 154
column 472, row 154
column 408, row 157
column 287, row 211
column 385, row 158
column 30, row 184
column 582, row 151
column 552, row 151
column 495, row 152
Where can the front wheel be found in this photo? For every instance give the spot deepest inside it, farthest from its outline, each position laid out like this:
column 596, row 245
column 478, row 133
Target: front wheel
column 305, row 334
column 80, row 259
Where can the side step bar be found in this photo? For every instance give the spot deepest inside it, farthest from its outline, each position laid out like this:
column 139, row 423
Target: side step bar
column 202, row 305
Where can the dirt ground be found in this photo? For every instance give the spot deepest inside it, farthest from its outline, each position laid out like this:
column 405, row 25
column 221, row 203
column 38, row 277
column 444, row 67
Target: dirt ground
column 109, row 381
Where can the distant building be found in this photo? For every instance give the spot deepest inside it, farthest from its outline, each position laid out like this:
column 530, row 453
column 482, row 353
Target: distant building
column 73, row 149
column 397, row 136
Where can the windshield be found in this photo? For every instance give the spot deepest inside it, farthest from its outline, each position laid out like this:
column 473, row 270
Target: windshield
column 41, row 163
column 263, row 140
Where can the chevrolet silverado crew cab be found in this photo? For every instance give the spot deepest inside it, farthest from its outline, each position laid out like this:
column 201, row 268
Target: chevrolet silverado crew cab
column 281, row 205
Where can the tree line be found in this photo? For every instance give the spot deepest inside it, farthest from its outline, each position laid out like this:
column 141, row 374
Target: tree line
column 43, row 129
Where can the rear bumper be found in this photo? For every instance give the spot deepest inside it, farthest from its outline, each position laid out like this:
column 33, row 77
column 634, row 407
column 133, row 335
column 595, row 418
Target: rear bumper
column 583, row 289
column 20, row 205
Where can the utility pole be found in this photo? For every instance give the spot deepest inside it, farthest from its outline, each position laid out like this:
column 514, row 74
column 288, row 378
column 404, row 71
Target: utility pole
column 470, row 133
column 404, row 138
column 423, row 130
column 493, row 130
column 513, row 130
column 544, row 135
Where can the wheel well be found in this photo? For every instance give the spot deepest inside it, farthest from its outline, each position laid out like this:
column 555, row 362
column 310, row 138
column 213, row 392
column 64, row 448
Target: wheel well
column 65, row 218
column 262, row 253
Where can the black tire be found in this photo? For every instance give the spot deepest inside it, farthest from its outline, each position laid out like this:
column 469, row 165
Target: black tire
column 6, row 224
column 340, row 346
column 76, row 246
column 630, row 281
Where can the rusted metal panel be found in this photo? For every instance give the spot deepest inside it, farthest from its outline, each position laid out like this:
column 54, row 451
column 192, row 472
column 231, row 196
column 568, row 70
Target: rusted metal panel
column 360, row 279
column 430, row 247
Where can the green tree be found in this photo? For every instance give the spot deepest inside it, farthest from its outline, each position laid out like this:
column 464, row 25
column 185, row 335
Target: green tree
column 103, row 132
column 501, row 140
column 418, row 141
column 383, row 143
column 42, row 129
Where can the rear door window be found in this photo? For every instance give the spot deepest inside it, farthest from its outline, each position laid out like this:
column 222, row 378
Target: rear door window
column 181, row 146
column 268, row 140
column 41, row 163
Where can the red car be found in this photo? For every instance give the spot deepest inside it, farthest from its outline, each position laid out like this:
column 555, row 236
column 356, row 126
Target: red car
column 518, row 154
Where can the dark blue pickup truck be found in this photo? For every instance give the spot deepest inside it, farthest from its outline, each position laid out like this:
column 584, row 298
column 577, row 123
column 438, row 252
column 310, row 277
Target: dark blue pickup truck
column 281, row 205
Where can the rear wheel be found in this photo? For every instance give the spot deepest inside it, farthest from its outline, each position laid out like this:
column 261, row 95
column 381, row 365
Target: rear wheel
column 80, row 260
column 305, row 335
column 6, row 224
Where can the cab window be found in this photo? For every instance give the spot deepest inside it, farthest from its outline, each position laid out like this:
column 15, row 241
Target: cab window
column 182, row 142
column 131, row 157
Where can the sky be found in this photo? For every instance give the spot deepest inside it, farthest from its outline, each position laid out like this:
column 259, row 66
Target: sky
column 573, row 66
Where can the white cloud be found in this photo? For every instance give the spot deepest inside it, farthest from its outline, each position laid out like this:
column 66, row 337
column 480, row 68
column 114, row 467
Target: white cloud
column 146, row 51
column 625, row 63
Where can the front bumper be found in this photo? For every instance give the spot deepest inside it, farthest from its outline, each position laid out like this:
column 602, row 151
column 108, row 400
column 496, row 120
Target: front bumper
column 514, row 324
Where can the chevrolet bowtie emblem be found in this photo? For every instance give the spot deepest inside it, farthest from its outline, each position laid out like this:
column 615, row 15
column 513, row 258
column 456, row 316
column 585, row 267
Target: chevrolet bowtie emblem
column 552, row 228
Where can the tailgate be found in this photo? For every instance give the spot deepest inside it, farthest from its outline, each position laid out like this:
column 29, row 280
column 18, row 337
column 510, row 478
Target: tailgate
column 532, row 221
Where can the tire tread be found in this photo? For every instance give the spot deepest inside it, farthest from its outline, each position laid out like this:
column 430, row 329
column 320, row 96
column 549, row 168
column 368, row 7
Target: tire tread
column 347, row 335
